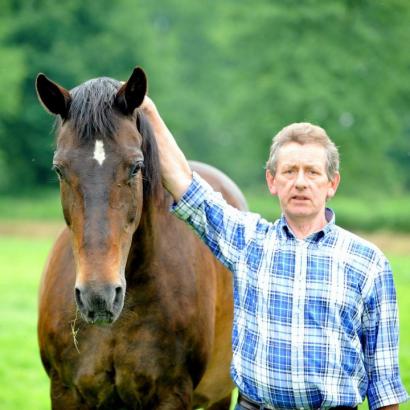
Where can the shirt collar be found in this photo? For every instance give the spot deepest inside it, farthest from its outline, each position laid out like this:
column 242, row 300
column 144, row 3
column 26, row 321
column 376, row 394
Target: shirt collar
column 286, row 231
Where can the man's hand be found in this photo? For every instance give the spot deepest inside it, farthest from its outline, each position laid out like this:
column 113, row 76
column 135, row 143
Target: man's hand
column 175, row 171
column 148, row 107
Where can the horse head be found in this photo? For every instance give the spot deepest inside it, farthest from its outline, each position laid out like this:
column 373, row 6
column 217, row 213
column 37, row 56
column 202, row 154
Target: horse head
column 99, row 160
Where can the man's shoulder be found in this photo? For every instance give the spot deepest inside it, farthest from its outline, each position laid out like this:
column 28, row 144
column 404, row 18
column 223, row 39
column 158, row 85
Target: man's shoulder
column 358, row 246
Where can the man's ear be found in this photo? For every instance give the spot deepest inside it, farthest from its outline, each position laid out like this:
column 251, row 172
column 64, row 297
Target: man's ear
column 334, row 183
column 270, row 180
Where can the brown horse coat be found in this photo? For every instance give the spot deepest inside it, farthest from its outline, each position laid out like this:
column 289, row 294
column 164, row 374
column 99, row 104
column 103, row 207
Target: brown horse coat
column 134, row 311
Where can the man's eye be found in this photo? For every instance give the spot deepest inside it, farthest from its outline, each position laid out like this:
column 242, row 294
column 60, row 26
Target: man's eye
column 136, row 168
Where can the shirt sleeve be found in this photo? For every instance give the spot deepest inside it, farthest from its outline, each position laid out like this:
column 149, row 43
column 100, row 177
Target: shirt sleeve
column 381, row 341
column 223, row 228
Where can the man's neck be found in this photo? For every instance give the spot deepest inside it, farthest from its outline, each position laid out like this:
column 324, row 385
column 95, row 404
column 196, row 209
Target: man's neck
column 303, row 227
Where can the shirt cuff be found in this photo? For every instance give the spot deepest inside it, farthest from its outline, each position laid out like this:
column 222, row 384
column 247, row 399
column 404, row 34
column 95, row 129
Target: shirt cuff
column 193, row 197
column 385, row 393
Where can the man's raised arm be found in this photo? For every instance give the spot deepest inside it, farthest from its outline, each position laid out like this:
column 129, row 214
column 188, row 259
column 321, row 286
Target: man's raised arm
column 175, row 171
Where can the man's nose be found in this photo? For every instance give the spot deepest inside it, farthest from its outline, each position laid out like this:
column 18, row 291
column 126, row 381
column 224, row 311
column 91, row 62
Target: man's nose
column 300, row 180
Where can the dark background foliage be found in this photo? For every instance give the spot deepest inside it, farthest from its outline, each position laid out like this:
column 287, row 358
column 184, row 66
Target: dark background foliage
column 226, row 77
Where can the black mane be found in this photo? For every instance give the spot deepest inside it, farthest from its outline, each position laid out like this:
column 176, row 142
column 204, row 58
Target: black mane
column 92, row 110
column 151, row 172
column 93, row 113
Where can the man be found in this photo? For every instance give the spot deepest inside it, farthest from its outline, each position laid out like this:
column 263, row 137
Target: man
column 315, row 322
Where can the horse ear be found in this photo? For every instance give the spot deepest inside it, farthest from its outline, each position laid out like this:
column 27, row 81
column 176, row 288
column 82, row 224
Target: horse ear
column 132, row 93
column 53, row 97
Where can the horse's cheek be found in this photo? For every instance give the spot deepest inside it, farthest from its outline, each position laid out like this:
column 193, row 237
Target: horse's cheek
column 67, row 202
column 134, row 202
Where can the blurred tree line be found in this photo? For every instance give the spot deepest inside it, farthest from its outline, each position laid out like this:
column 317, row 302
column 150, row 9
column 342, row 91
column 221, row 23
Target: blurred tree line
column 226, row 76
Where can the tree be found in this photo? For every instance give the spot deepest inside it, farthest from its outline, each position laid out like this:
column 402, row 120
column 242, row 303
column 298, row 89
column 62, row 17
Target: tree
column 225, row 76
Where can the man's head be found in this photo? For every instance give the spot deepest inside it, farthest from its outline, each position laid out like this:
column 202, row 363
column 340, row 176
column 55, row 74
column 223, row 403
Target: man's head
column 303, row 170
column 304, row 133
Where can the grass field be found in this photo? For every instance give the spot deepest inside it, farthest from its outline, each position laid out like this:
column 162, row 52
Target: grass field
column 23, row 382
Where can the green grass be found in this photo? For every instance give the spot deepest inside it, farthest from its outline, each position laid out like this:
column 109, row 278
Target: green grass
column 401, row 269
column 23, row 382
column 38, row 206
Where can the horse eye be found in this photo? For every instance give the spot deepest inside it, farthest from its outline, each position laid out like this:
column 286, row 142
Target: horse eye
column 59, row 171
column 135, row 168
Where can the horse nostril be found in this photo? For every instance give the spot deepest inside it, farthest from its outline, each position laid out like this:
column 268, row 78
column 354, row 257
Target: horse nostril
column 78, row 299
column 118, row 295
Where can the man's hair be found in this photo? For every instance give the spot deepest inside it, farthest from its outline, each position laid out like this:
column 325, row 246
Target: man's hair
column 304, row 133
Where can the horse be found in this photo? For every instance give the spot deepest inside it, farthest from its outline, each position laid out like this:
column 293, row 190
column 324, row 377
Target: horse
column 134, row 311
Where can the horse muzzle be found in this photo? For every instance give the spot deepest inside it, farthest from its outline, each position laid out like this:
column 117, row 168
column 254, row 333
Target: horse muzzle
column 100, row 305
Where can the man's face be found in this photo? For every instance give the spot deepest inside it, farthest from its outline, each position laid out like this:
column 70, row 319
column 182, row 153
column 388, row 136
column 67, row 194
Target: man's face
column 301, row 182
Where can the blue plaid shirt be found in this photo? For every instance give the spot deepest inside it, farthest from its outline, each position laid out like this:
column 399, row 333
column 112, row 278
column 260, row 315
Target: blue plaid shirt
column 316, row 322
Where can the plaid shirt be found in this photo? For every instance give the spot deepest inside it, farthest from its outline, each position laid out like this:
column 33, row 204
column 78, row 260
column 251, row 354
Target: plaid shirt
column 316, row 322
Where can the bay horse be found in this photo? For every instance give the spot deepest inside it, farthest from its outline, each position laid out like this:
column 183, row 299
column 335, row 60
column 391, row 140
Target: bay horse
column 134, row 311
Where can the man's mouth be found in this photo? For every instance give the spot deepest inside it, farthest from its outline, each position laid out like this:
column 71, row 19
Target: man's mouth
column 300, row 198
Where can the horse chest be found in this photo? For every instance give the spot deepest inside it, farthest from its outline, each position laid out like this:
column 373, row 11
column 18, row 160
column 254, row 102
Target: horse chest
column 131, row 368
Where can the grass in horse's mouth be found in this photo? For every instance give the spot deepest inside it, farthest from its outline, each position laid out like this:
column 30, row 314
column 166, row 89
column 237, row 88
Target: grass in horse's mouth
column 74, row 331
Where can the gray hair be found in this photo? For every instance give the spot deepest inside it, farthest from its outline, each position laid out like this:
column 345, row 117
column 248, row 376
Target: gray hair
column 304, row 133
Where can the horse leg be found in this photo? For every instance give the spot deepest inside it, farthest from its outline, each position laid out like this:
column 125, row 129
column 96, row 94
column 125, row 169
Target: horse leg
column 178, row 397
column 223, row 404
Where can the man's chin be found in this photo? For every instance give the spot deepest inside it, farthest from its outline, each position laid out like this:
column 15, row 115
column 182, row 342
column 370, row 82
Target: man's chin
column 298, row 213
column 300, row 209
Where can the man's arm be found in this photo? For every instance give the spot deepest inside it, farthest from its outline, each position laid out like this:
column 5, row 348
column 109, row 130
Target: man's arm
column 175, row 170
column 224, row 229
column 381, row 339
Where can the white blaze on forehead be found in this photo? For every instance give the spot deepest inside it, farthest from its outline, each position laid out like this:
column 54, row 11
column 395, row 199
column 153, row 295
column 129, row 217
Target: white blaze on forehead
column 99, row 153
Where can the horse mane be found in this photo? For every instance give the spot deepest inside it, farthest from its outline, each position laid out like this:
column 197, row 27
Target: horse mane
column 93, row 113
column 151, row 172
column 92, row 108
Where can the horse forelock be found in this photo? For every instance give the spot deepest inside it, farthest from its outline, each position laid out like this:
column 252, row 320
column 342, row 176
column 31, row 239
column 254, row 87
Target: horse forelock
column 92, row 114
column 92, row 108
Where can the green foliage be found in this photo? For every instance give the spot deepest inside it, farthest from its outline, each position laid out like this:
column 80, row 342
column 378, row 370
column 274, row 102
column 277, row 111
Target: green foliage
column 331, row 63
column 225, row 76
